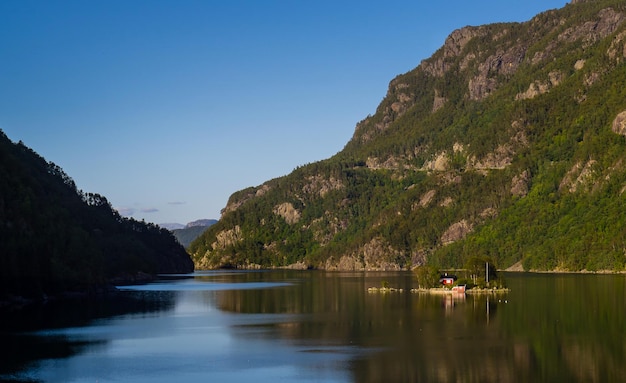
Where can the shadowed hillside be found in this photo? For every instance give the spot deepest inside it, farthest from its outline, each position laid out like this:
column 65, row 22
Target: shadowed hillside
column 55, row 238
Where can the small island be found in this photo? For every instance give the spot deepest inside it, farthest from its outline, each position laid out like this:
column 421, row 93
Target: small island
column 478, row 277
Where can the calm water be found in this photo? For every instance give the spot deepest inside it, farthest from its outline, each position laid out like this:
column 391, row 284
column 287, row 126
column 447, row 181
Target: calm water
column 293, row 326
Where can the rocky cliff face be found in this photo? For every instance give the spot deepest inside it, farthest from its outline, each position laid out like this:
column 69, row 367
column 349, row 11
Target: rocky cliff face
column 502, row 118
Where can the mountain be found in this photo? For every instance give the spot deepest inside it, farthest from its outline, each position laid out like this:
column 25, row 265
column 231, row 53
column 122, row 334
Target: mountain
column 192, row 230
column 172, row 226
column 201, row 223
column 55, row 238
column 508, row 142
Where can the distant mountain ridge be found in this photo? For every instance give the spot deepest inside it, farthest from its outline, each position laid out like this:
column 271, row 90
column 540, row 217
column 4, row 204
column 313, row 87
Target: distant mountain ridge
column 199, row 222
column 187, row 234
column 172, row 226
column 508, row 142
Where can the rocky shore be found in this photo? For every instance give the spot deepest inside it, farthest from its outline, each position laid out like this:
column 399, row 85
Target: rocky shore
column 439, row 290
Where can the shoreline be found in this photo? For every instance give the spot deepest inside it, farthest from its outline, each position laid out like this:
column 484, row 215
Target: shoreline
column 516, row 268
column 440, row 291
column 11, row 300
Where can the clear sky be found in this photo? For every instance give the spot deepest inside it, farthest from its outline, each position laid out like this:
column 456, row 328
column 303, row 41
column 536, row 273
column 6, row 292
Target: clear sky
column 168, row 107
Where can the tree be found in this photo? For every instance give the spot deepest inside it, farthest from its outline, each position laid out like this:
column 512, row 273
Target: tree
column 481, row 270
column 427, row 276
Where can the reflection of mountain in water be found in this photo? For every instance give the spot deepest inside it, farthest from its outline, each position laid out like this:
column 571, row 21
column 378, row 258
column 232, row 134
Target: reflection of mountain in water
column 428, row 338
column 548, row 328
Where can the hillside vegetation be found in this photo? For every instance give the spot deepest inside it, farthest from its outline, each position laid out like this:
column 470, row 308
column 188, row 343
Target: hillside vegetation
column 508, row 143
column 55, row 238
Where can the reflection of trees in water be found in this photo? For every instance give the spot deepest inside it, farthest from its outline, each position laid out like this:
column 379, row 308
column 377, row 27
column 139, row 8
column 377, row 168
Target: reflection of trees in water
column 410, row 335
column 441, row 339
column 21, row 347
column 81, row 311
column 579, row 338
column 428, row 338
column 21, row 350
column 572, row 326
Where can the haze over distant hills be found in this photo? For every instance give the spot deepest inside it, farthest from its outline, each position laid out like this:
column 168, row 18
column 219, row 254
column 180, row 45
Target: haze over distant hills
column 172, row 226
column 509, row 142
column 185, row 234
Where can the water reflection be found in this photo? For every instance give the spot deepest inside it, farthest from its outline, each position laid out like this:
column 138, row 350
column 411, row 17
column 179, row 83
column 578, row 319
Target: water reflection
column 315, row 326
column 51, row 330
column 480, row 338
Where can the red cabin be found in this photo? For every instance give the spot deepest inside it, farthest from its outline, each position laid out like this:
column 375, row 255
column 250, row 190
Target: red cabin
column 447, row 280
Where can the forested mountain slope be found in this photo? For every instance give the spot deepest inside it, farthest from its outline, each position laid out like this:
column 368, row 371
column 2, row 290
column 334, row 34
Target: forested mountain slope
column 54, row 238
column 508, row 142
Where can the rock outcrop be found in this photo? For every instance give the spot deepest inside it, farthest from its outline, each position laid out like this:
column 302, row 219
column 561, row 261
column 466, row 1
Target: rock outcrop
column 286, row 210
column 619, row 124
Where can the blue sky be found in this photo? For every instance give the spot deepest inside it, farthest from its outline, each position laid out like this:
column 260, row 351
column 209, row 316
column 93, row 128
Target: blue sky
column 168, row 107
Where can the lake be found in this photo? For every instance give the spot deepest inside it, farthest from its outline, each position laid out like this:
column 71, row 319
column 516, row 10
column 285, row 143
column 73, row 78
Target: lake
column 315, row 326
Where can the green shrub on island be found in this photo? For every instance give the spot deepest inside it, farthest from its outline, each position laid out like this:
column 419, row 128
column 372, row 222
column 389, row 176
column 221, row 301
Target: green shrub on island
column 427, row 276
